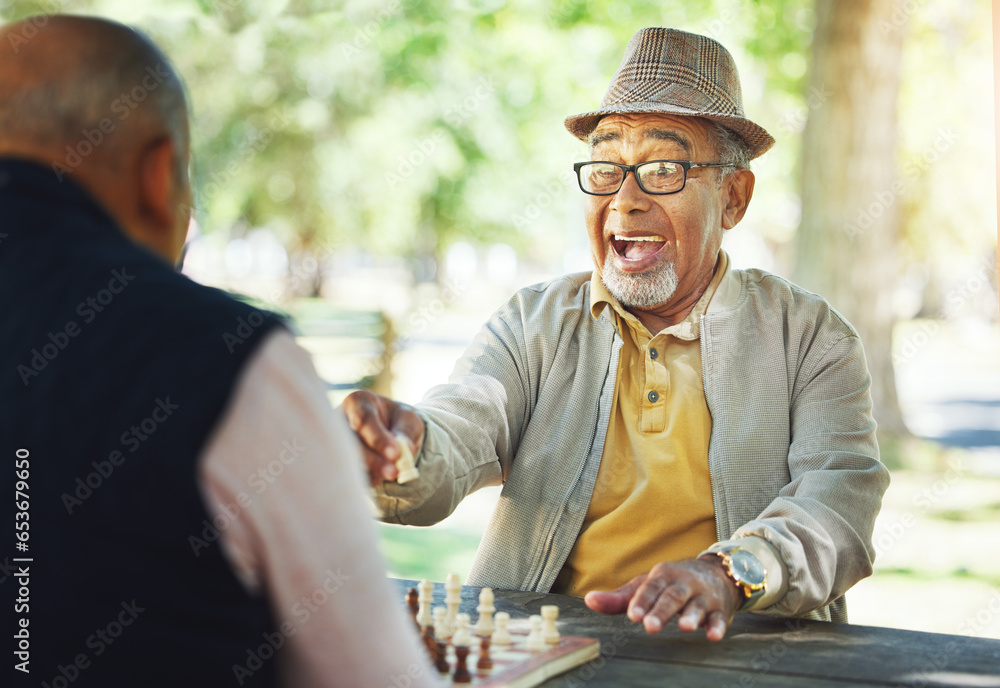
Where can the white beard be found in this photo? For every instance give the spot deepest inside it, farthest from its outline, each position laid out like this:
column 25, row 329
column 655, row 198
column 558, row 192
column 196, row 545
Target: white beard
column 640, row 290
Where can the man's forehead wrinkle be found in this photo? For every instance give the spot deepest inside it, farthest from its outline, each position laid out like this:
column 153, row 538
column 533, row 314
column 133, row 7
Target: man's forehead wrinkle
column 657, row 134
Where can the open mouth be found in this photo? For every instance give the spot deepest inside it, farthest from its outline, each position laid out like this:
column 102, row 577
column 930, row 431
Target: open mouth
column 637, row 249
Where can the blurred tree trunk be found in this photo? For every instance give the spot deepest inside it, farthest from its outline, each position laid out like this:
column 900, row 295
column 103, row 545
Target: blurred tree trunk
column 846, row 243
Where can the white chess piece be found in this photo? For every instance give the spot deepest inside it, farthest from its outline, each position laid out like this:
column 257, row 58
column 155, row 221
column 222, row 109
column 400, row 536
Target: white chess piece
column 550, row 633
column 462, row 636
column 405, row 464
column 484, row 624
column 426, row 597
column 535, row 641
column 441, row 630
column 501, row 636
column 452, row 598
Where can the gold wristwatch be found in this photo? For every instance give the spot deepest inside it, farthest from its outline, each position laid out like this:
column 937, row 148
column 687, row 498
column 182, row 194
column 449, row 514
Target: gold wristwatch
column 745, row 570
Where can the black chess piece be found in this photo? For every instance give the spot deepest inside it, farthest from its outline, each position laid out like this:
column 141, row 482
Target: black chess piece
column 485, row 662
column 441, row 661
column 461, row 674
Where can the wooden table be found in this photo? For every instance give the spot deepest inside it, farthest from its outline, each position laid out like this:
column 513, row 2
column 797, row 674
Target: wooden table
column 757, row 651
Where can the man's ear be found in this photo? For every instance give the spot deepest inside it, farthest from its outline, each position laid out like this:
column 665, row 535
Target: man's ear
column 739, row 186
column 163, row 213
column 157, row 185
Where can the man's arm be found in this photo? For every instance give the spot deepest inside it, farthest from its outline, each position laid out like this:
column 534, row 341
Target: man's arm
column 465, row 432
column 822, row 521
column 306, row 539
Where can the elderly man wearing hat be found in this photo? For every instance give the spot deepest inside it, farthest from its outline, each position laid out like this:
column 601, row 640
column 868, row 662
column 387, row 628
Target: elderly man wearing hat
column 674, row 437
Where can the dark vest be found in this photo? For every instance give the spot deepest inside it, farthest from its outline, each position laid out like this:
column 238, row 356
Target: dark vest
column 116, row 369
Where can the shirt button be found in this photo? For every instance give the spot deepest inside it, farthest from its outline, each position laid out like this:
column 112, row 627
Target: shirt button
column 653, row 353
column 653, row 396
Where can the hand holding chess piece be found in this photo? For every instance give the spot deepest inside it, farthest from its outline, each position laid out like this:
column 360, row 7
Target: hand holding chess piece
column 378, row 422
column 406, row 464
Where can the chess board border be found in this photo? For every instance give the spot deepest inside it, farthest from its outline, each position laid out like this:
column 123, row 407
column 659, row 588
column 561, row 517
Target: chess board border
column 535, row 667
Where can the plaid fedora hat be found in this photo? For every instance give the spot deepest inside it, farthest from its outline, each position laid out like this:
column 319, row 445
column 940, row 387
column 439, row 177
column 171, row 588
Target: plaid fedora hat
column 676, row 73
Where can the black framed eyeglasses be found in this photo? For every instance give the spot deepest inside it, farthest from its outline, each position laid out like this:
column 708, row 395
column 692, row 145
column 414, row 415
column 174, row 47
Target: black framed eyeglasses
column 658, row 177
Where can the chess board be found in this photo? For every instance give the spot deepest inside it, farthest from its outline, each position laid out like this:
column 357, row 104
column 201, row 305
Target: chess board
column 514, row 666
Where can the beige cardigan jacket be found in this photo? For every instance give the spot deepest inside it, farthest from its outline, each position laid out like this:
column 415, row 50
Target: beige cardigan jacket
column 792, row 455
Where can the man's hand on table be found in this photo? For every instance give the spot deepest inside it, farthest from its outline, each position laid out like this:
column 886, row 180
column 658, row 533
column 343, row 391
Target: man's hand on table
column 696, row 590
column 377, row 420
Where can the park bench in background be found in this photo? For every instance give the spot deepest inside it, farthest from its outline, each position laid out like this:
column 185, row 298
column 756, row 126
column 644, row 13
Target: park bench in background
column 351, row 349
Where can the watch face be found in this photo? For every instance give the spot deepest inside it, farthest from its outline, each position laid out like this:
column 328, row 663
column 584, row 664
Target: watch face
column 747, row 567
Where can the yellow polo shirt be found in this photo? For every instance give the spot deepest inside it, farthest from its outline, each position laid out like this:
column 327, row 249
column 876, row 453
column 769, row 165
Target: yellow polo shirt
column 652, row 501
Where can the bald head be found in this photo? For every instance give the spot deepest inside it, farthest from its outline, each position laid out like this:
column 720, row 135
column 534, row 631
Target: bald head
column 98, row 102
